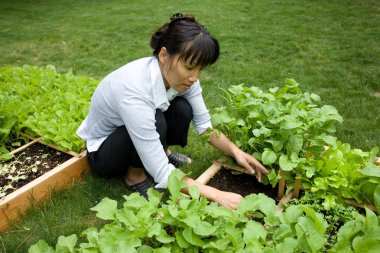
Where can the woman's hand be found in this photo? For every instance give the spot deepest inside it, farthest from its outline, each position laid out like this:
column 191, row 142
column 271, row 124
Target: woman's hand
column 250, row 164
column 222, row 143
column 229, row 200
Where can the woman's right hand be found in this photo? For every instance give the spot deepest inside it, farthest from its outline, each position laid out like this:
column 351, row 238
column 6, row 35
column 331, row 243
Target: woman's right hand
column 229, row 200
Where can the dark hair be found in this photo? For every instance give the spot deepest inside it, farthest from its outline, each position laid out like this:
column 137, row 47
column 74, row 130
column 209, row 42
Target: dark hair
column 186, row 37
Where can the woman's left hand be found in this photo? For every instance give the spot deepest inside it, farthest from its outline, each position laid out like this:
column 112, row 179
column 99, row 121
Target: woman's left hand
column 250, row 164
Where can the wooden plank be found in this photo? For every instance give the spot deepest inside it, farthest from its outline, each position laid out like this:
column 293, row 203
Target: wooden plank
column 40, row 140
column 209, row 173
column 25, row 146
column 17, row 203
column 297, row 186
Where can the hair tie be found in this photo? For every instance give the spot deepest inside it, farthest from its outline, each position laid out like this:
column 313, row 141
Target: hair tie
column 176, row 16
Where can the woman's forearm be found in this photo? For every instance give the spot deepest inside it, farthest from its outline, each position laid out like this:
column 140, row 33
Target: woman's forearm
column 222, row 143
column 205, row 190
column 229, row 200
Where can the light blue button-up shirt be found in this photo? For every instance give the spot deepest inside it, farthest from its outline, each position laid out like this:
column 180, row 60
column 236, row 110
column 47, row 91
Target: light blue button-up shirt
column 130, row 96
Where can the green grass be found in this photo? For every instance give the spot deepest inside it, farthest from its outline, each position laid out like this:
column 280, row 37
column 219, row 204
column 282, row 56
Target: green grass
column 330, row 47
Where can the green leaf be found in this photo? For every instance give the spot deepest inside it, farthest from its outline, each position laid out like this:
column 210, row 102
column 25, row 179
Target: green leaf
column 181, row 240
column 164, row 237
column 376, row 197
column 175, row 184
column 41, row 247
column 371, row 170
column 294, row 144
column 253, row 202
column 191, row 237
column 284, row 231
column 254, row 231
column 194, row 192
column 287, row 245
column 268, row 156
column 307, row 229
column 106, row 209
column 66, row 243
column 286, row 164
column 204, row 228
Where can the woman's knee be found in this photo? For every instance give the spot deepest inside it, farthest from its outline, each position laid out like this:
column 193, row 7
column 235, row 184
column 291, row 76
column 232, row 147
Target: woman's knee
column 183, row 108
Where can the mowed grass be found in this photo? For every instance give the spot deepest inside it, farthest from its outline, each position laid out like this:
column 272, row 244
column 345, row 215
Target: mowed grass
column 330, row 47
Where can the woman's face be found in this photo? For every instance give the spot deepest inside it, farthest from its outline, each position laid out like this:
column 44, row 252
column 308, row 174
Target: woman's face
column 177, row 73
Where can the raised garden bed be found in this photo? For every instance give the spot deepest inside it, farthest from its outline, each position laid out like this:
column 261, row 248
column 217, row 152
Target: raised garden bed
column 227, row 177
column 223, row 176
column 36, row 170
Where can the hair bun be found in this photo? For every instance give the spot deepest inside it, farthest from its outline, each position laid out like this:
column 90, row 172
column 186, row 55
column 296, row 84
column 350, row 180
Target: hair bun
column 180, row 16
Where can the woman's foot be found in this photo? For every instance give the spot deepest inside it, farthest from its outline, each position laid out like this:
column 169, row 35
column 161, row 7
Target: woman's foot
column 142, row 187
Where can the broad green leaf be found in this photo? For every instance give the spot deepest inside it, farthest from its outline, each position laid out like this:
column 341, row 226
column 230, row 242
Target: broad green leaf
column 369, row 245
column 376, row 197
column 371, row 170
column 174, row 183
column 268, row 157
column 286, row 164
column 253, row 202
column 164, row 237
column 194, row 192
column 66, row 243
column 290, row 122
column 106, row 209
column 254, row 231
column 284, row 231
column 220, row 244
column 276, row 145
column 135, row 200
column 154, row 230
column 307, row 229
column 204, row 228
column 287, row 245
column 181, row 240
column 192, row 238
column 294, row 144
column 292, row 213
column 41, row 247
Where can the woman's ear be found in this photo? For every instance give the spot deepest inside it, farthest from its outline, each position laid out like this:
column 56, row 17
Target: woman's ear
column 163, row 55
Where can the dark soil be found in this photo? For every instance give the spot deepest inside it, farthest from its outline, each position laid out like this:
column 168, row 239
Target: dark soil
column 243, row 184
column 28, row 165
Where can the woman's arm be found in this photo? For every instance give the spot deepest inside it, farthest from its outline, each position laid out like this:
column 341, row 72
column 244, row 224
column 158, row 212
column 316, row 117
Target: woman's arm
column 222, row 143
column 229, row 200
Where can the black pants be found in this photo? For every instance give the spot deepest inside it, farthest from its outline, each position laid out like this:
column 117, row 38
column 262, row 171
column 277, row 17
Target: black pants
column 117, row 152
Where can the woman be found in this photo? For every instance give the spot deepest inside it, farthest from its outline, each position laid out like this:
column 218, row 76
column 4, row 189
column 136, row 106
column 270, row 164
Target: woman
column 140, row 109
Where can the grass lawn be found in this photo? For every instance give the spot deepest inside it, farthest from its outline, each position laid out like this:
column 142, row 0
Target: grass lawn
column 330, row 47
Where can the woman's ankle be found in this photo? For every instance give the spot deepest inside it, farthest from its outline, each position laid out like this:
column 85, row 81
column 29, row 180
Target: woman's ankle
column 135, row 175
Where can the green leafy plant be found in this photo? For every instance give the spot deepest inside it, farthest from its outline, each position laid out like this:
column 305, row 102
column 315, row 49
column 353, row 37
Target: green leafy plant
column 43, row 103
column 282, row 127
column 361, row 234
column 192, row 224
column 291, row 130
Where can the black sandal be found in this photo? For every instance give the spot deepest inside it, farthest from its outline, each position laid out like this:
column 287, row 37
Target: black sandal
column 178, row 159
column 142, row 187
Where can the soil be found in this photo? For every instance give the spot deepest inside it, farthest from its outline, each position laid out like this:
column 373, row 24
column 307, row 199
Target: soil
column 243, row 184
column 28, row 165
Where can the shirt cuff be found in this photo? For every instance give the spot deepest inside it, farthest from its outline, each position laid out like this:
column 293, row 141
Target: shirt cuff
column 164, row 182
column 202, row 128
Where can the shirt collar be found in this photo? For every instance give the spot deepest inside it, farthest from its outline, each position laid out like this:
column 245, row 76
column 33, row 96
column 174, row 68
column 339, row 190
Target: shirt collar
column 159, row 92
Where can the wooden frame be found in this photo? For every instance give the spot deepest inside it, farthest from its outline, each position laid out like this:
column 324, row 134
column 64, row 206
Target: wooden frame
column 217, row 165
column 17, row 203
column 283, row 199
